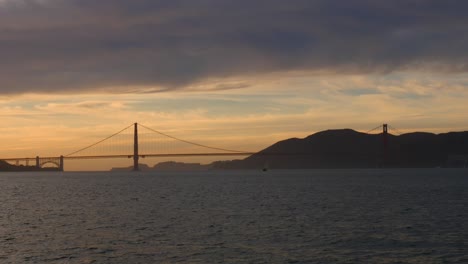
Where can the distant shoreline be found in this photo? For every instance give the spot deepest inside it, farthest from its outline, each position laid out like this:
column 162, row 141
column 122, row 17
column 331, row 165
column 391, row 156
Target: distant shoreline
column 7, row 167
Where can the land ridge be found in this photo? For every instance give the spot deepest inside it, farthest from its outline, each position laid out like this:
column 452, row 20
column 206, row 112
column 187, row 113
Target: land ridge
column 347, row 148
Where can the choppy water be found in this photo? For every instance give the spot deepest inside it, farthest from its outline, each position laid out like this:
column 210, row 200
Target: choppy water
column 316, row 216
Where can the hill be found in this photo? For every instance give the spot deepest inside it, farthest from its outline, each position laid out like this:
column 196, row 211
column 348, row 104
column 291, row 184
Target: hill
column 346, row 148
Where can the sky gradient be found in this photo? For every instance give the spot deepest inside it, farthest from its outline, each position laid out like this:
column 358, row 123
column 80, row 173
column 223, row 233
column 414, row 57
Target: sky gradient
column 232, row 74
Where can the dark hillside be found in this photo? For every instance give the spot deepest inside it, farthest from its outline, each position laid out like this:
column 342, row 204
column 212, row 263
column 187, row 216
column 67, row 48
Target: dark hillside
column 346, row 148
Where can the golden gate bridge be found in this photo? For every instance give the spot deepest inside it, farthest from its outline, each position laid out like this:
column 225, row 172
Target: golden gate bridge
column 161, row 146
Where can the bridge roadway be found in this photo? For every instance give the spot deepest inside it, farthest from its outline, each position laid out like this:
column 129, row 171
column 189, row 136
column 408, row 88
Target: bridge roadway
column 59, row 161
column 131, row 156
column 161, row 155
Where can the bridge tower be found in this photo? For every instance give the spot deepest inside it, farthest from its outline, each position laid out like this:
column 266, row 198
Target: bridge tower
column 38, row 164
column 61, row 163
column 135, row 148
column 385, row 143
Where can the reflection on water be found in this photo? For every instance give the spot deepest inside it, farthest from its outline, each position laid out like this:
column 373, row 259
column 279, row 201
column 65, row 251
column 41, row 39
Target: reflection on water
column 315, row 216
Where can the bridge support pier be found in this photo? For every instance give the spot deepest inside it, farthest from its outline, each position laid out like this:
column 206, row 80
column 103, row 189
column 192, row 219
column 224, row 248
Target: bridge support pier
column 38, row 164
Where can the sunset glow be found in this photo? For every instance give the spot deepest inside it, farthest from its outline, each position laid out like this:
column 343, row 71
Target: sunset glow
column 234, row 74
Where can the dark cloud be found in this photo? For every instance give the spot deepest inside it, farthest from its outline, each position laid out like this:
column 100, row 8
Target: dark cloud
column 86, row 45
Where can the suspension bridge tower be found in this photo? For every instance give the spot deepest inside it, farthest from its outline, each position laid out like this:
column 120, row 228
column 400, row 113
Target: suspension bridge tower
column 135, row 148
column 385, row 143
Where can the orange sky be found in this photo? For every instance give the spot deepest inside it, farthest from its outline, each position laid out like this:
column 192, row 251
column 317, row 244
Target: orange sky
column 230, row 74
column 249, row 119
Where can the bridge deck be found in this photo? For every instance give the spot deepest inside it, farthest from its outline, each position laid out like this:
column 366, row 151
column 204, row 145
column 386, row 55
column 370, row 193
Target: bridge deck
column 141, row 156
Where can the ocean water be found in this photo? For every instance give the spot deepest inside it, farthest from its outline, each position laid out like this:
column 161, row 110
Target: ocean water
column 298, row 216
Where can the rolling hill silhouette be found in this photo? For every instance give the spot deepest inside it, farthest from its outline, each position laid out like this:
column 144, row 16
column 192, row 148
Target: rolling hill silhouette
column 346, row 148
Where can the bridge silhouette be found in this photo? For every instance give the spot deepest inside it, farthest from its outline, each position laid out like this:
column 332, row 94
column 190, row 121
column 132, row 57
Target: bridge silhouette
column 162, row 146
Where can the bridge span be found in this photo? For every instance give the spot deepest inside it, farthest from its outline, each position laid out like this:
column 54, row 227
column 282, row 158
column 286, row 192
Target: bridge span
column 58, row 162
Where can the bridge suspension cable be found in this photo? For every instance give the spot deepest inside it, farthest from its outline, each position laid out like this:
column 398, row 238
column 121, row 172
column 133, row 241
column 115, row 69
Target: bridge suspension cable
column 375, row 128
column 394, row 129
column 73, row 154
column 100, row 141
column 190, row 142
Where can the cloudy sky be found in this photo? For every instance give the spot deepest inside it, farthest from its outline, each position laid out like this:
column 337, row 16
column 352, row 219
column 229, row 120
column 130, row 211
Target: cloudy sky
column 228, row 73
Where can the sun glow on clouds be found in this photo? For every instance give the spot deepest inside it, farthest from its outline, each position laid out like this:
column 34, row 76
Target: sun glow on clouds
column 248, row 119
column 233, row 74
